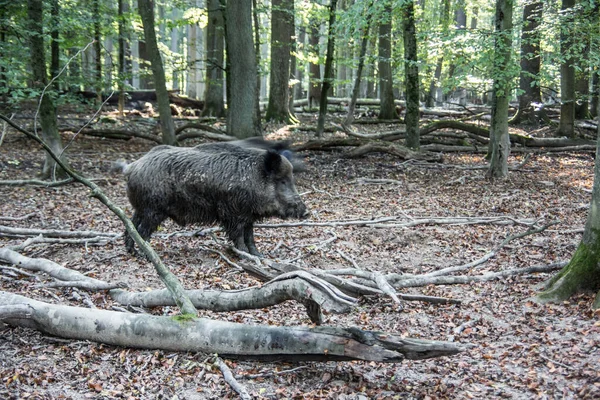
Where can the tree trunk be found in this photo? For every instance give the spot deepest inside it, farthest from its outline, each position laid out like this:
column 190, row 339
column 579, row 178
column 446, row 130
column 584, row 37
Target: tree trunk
column 435, row 92
column 411, row 71
column 47, row 109
column 214, row 105
column 314, row 71
column 97, row 51
column 567, row 72
column 328, row 70
column 530, row 65
column 242, row 121
column 257, row 54
column 175, row 48
column 121, row 79
column 500, row 141
column 55, row 46
column 387, row 109
column 595, row 92
column 583, row 271
column 281, row 37
column 582, row 83
column 228, row 339
column 146, row 10
column 361, row 62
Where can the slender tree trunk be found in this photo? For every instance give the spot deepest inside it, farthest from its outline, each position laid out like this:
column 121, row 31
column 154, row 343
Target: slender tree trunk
column 175, row 48
column 387, row 108
column 361, row 62
column 213, row 97
column 435, row 92
column 281, row 37
column 530, row 64
column 582, row 85
column 121, row 80
column 567, row 72
column 146, row 10
column 328, row 70
column 47, row 109
column 500, row 141
column 583, row 271
column 242, row 119
column 55, row 46
column 595, row 92
column 411, row 71
column 257, row 54
column 314, row 71
column 294, row 79
column 97, row 50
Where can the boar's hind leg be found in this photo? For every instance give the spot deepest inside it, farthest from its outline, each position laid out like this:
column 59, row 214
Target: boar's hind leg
column 145, row 223
column 249, row 240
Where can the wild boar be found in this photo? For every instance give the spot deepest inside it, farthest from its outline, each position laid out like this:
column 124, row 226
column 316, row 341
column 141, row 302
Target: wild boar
column 211, row 183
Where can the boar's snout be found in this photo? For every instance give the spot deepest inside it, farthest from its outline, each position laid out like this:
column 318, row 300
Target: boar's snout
column 297, row 210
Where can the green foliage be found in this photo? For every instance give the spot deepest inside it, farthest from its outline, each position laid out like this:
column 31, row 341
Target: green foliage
column 467, row 53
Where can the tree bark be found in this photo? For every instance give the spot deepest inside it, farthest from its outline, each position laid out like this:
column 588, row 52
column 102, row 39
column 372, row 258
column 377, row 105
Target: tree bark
column 411, row 71
column 361, row 62
column 281, row 37
column 567, row 71
column 97, row 51
column 499, row 138
column 146, row 10
column 47, row 109
column 210, row 336
column 314, row 71
column 214, row 105
column 387, row 109
column 242, row 119
column 121, row 62
column 328, row 70
column 583, row 271
column 530, row 65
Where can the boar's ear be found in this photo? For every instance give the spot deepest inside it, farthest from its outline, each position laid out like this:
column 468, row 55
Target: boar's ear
column 272, row 162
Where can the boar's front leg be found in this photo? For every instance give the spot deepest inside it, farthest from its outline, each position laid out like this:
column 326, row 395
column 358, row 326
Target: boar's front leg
column 240, row 233
column 249, row 240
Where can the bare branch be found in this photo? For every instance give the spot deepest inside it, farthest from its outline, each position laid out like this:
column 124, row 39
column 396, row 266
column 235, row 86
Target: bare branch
column 231, row 381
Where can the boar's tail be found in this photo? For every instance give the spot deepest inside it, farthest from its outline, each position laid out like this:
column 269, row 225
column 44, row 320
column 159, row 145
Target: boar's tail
column 118, row 167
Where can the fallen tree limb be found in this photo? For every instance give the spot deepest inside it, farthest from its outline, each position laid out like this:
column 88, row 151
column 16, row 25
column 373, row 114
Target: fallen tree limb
column 492, row 253
column 55, row 233
column 402, row 281
column 206, row 131
column 22, row 218
column 54, row 270
column 36, row 182
column 228, row 339
column 120, row 134
column 394, row 149
column 299, row 286
column 231, row 381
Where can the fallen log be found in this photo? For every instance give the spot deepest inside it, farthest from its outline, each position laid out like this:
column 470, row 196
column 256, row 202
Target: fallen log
column 227, row 339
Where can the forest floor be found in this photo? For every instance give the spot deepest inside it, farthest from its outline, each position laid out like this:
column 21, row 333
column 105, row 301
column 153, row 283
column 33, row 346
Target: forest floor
column 518, row 348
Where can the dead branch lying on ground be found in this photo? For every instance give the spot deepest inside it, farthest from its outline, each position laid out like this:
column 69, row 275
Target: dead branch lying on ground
column 35, row 182
column 231, row 381
column 211, row 336
column 361, row 282
column 302, row 287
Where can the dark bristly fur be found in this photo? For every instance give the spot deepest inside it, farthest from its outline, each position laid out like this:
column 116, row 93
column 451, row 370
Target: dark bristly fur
column 280, row 146
column 211, row 183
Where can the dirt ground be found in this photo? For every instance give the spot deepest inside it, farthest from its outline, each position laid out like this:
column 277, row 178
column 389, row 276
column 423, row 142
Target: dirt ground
column 518, row 349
